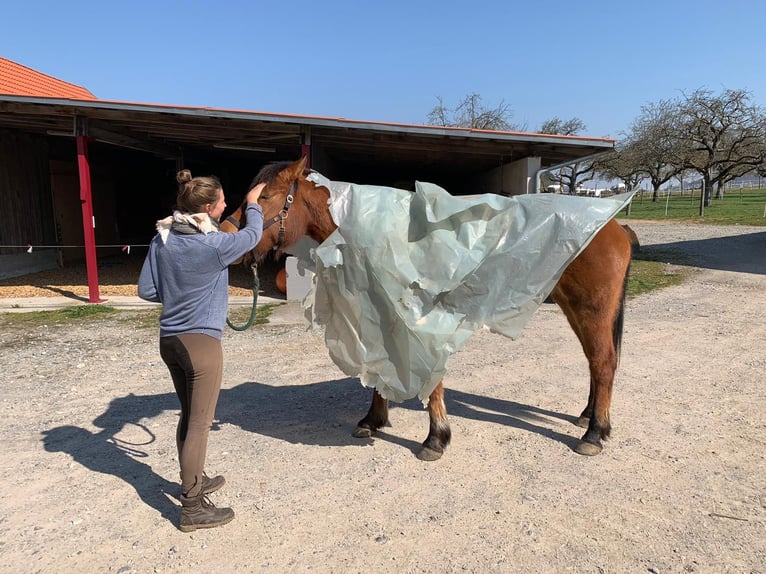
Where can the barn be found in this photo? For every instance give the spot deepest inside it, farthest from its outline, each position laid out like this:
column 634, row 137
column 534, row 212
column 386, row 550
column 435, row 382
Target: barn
column 82, row 178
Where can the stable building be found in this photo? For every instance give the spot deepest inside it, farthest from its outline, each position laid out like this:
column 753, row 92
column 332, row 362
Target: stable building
column 83, row 178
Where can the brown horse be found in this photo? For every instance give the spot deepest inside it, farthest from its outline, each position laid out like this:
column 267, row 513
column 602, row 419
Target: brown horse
column 591, row 292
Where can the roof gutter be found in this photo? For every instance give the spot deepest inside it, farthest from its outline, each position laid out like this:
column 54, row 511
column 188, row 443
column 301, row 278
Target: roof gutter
column 79, row 106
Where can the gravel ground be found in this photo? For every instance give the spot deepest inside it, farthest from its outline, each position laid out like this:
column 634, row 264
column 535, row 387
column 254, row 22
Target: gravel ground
column 118, row 276
column 91, row 474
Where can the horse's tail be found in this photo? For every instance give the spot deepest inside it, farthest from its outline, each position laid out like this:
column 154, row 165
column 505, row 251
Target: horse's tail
column 619, row 319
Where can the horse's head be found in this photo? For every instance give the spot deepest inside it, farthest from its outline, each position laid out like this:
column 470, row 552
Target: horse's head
column 292, row 207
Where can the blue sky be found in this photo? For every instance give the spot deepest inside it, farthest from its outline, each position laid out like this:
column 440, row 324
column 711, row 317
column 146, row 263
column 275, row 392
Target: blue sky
column 389, row 60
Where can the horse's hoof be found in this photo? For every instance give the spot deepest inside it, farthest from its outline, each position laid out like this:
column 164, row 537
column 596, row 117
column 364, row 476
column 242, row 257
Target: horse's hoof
column 363, row 432
column 588, row 448
column 429, row 454
column 582, row 422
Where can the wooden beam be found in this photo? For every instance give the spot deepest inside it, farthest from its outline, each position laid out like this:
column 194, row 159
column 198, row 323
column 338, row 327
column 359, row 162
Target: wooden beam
column 126, row 139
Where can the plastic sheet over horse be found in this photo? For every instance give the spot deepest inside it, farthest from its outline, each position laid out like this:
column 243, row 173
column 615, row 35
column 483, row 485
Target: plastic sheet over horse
column 407, row 277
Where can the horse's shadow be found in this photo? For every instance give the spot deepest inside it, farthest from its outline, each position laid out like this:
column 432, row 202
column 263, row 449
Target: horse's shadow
column 510, row 414
column 325, row 413
column 485, row 409
column 318, row 413
column 321, row 414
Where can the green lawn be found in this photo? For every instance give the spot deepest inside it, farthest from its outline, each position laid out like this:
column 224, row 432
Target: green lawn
column 145, row 318
column 743, row 207
column 647, row 275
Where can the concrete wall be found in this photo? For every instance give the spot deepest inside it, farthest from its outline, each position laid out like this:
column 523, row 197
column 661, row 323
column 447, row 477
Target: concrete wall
column 25, row 263
column 514, row 178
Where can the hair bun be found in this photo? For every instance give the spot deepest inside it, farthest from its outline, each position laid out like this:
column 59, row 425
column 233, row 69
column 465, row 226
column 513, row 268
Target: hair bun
column 183, row 176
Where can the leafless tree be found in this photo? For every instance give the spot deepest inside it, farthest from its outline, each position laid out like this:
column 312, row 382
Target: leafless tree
column 570, row 176
column 562, row 127
column 723, row 136
column 622, row 165
column 654, row 147
column 471, row 113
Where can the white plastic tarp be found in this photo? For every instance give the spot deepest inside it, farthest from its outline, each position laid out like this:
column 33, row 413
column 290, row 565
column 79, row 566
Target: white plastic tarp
column 408, row 277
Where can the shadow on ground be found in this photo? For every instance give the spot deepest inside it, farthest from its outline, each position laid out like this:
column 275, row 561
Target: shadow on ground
column 321, row 414
column 740, row 253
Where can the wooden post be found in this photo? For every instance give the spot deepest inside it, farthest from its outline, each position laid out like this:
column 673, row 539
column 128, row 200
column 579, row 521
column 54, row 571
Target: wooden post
column 306, row 146
column 88, row 221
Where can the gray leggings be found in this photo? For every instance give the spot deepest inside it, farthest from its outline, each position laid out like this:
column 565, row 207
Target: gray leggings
column 195, row 362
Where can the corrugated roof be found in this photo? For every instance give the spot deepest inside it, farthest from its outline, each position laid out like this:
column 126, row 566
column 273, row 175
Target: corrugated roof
column 18, row 80
column 428, row 153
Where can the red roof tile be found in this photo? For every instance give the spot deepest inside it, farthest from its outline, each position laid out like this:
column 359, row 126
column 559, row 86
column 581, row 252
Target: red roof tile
column 18, row 80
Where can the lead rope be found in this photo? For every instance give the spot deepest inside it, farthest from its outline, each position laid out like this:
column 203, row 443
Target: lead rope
column 256, row 287
column 280, row 217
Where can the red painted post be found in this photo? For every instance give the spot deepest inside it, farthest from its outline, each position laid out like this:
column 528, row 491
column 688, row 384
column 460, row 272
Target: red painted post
column 88, row 221
column 306, row 150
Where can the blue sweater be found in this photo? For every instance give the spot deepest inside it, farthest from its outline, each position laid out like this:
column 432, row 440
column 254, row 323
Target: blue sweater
column 189, row 275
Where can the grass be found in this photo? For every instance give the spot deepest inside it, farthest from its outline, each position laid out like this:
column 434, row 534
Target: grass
column 144, row 319
column 79, row 313
column 239, row 315
column 736, row 207
column 646, row 276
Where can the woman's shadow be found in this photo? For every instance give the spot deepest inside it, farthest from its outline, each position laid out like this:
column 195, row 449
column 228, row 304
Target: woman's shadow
column 287, row 413
column 103, row 452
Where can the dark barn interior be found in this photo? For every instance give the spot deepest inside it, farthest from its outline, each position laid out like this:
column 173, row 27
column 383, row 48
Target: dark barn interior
column 135, row 150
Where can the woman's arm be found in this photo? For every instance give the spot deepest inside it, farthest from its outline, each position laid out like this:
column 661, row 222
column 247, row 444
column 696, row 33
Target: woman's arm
column 147, row 286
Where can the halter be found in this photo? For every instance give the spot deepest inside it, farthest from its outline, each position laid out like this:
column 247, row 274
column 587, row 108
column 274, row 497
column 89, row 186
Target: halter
column 280, row 217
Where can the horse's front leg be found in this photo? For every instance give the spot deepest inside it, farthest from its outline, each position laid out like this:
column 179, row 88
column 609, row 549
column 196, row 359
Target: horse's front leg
column 439, row 433
column 375, row 418
column 583, row 421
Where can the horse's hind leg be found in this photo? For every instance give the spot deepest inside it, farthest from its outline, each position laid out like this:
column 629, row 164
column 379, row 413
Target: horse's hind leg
column 375, row 418
column 591, row 294
column 439, row 433
column 595, row 333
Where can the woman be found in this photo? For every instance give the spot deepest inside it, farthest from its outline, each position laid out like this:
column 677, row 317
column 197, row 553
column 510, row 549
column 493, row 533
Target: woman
column 186, row 270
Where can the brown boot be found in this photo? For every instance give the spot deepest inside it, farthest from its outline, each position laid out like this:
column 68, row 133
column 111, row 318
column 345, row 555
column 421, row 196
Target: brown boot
column 210, row 485
column 199, row 512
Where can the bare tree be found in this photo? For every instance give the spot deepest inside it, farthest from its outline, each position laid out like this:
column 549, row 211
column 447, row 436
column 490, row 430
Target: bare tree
column 560, row 127
column 722, row 136
column 655, row 149
column 750, row 155
column 622, row 165
column 440, row 115
column 570, row 176
column 471, row 113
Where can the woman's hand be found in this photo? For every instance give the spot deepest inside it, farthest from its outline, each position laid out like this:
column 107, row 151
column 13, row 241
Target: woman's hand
column 253, row 195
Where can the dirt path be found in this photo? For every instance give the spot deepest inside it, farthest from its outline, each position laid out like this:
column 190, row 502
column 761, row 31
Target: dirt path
column 90, row 473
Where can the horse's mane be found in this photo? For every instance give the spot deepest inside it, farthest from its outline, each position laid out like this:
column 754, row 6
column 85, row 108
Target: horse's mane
column 270, row 171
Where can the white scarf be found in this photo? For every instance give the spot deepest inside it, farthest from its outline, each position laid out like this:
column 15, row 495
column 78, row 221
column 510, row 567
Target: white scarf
column 186, row 223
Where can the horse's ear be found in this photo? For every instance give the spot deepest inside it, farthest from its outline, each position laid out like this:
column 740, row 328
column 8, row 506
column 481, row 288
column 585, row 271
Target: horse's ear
column 295, row 169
